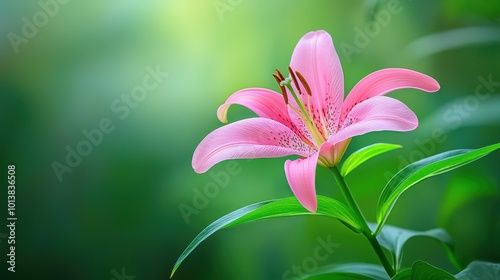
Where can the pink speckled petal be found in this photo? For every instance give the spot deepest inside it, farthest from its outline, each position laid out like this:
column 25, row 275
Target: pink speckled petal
column 315, row 57
column 264, row 102
column 249, row 138
column 384, row 81
column 376, row 114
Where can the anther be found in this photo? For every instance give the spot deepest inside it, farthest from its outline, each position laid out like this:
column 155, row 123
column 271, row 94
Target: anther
column 294, row 79
column 304, row 82
column 278, row 80
column 282, row 88
column 280, row 75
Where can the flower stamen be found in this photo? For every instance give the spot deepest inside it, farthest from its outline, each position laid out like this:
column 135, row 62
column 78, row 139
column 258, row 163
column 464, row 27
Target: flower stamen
column 308, row 90
column 280, row 75
column 304, row 83
column 294, row 79
column 305, row 113
column 282, row 88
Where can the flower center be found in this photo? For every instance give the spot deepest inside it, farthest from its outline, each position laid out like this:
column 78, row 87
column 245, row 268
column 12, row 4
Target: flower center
column 304, row 110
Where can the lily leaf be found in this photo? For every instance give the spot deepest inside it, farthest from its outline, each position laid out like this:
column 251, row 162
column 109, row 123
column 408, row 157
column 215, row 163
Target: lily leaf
column 420, row 170
column 394, row 238
column 478, row 270
column 349, row 271
column 285, row 207
column 403, row 275
column 422, row 270
column 364, row 154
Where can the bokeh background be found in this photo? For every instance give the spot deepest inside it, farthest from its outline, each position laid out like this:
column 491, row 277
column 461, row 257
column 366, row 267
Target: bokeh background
column 119, row 213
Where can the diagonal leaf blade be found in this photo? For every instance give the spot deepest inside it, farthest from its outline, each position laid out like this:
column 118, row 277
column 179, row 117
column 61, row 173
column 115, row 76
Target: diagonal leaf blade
column 215, row 226
column 357, row 158
column 422, row 169
column 394, row 238
column 290, row 206
column 422, row 270
column 355, row 271
column 404, row 274
column 286, row 207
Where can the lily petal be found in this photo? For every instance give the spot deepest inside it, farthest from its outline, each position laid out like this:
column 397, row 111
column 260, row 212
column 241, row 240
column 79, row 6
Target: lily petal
column 376, row 114
column 316, row 59
column 301, row 176
column 384, row 81
column 264, row 102
column 249, row 138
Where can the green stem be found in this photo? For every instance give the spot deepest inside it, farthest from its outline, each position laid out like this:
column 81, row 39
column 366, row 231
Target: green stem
column 365, row 229
column 380, row 253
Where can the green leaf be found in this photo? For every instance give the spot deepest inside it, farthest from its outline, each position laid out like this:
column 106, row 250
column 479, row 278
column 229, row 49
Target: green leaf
column 394, row 238
column 285, row 207
column 364, row 154
column 353, row 271
column 403, row 275
column 420, row 170
column 478, row 270
column 422, row 270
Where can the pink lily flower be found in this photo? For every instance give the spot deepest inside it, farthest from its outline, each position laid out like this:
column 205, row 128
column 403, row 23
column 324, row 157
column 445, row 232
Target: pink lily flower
column 310, row 118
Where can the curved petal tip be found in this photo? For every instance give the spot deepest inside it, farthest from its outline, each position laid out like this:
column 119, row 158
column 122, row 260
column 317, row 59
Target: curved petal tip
column 434, row 85
column 300, row 174
column 222, row 112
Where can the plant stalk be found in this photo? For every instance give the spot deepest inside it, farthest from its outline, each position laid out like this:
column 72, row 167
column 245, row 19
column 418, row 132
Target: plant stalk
column 365, row 229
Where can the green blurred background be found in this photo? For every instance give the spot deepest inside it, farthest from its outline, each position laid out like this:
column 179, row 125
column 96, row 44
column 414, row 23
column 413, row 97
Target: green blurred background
column 117, row 214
